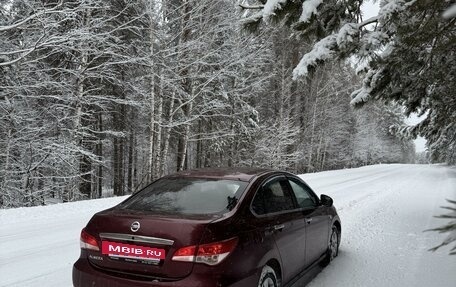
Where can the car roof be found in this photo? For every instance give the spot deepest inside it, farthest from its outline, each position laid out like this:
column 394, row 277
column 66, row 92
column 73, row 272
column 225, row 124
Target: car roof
column 233, row 173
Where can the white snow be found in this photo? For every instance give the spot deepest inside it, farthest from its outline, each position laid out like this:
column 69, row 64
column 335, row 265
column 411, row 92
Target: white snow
column 309, row 8
column 270, row 7
column 375, row 39
column 38, row 245
column 346, row 34
column 370, row 8
column 321, row 51
column 387, row 8
column 370, row 80
column 325, row 48
column 384, row 210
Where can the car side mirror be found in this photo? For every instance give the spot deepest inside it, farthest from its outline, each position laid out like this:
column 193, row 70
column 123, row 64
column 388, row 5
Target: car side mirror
column 326, row 200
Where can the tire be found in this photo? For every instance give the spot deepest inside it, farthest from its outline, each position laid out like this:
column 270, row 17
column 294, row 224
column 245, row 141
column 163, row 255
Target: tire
column 268, row 277
column 333, row 247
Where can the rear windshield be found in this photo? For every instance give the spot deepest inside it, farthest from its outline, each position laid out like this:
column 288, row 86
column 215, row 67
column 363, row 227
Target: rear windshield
column 187, row 196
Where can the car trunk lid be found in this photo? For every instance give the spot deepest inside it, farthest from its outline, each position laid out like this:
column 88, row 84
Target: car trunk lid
column 148, row 251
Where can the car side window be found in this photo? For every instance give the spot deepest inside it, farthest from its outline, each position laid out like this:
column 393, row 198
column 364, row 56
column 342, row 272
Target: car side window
column 303, row 196
column 273, row 197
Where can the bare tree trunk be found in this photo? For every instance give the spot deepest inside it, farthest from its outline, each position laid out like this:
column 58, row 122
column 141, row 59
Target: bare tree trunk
column 231, row 148
column 158, row 151
column 186, row 87
column 208, row 154
column 85, row 187
column 319, row 155
column 167, row 134
column 130, row 162
column 85, row 168
column 4, row 184
column 282, row 93
column 99, row 150
column 185, row 136
column 310, row 152
column 119, row 176
column 324, row 156
column 135, row 166
column 119, row 117
column 199, row 146
column 116, row 167
column 85, row 184
column 152, row 90
column 282, row 97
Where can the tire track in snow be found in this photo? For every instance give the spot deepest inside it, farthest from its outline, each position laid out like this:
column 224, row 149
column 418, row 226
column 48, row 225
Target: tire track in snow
column 382, row 237
column 371, row 175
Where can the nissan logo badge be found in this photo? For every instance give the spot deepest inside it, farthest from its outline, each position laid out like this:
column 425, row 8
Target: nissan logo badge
column 135, row 226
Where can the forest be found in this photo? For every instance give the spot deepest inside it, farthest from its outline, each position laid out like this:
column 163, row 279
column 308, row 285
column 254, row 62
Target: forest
column 101, row 97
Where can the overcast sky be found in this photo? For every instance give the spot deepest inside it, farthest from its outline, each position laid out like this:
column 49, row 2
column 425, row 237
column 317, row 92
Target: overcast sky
column 369, row 9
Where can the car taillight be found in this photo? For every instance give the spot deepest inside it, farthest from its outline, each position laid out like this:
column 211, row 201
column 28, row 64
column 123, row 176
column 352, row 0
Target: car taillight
column 211, row 253
column 185, row 254
column 88, row 241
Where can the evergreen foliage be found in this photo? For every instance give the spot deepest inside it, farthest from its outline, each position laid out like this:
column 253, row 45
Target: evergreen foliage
column 406, row 55
column 450, row 228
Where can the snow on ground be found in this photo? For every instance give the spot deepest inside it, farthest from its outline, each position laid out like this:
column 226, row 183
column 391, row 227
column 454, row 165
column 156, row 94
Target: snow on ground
column 38, row 245
column 384, row 210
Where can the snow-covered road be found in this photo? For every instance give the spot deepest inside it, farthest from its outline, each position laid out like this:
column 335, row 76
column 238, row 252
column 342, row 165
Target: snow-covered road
column 384, row 210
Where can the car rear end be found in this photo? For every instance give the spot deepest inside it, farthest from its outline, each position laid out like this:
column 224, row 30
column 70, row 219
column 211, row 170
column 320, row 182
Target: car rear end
column 162, row 237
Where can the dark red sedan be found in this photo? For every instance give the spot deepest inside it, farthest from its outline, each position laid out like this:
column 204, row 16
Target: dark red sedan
column 210, row 228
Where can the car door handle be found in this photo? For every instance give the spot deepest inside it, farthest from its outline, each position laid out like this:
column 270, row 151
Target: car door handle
column 279, row 227
column 308, row 220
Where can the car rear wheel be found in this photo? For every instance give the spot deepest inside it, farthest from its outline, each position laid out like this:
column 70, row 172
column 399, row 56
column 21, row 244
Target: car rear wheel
column 333, row 246
column 268, row 277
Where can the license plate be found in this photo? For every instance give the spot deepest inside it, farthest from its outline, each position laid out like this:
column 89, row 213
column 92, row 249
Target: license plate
column 123, row 250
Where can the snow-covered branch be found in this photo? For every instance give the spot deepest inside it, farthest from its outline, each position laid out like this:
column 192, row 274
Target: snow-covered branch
column 255, row 7
column 25, row 54
column 31, row 17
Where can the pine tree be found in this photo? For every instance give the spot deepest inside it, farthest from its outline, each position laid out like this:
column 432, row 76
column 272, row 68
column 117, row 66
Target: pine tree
column 450, row 228
column 406, row 55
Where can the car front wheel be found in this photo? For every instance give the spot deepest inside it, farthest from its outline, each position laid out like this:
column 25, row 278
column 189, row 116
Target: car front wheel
column 268, row 278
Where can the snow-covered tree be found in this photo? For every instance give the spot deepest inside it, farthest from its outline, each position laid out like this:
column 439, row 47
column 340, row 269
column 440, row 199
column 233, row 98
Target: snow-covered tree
column 62, row 88
column 406, row 54
column 101, row 97
column 375, row 139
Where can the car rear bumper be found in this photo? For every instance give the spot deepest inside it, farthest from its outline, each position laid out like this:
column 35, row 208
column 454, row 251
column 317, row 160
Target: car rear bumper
column 84, row 275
